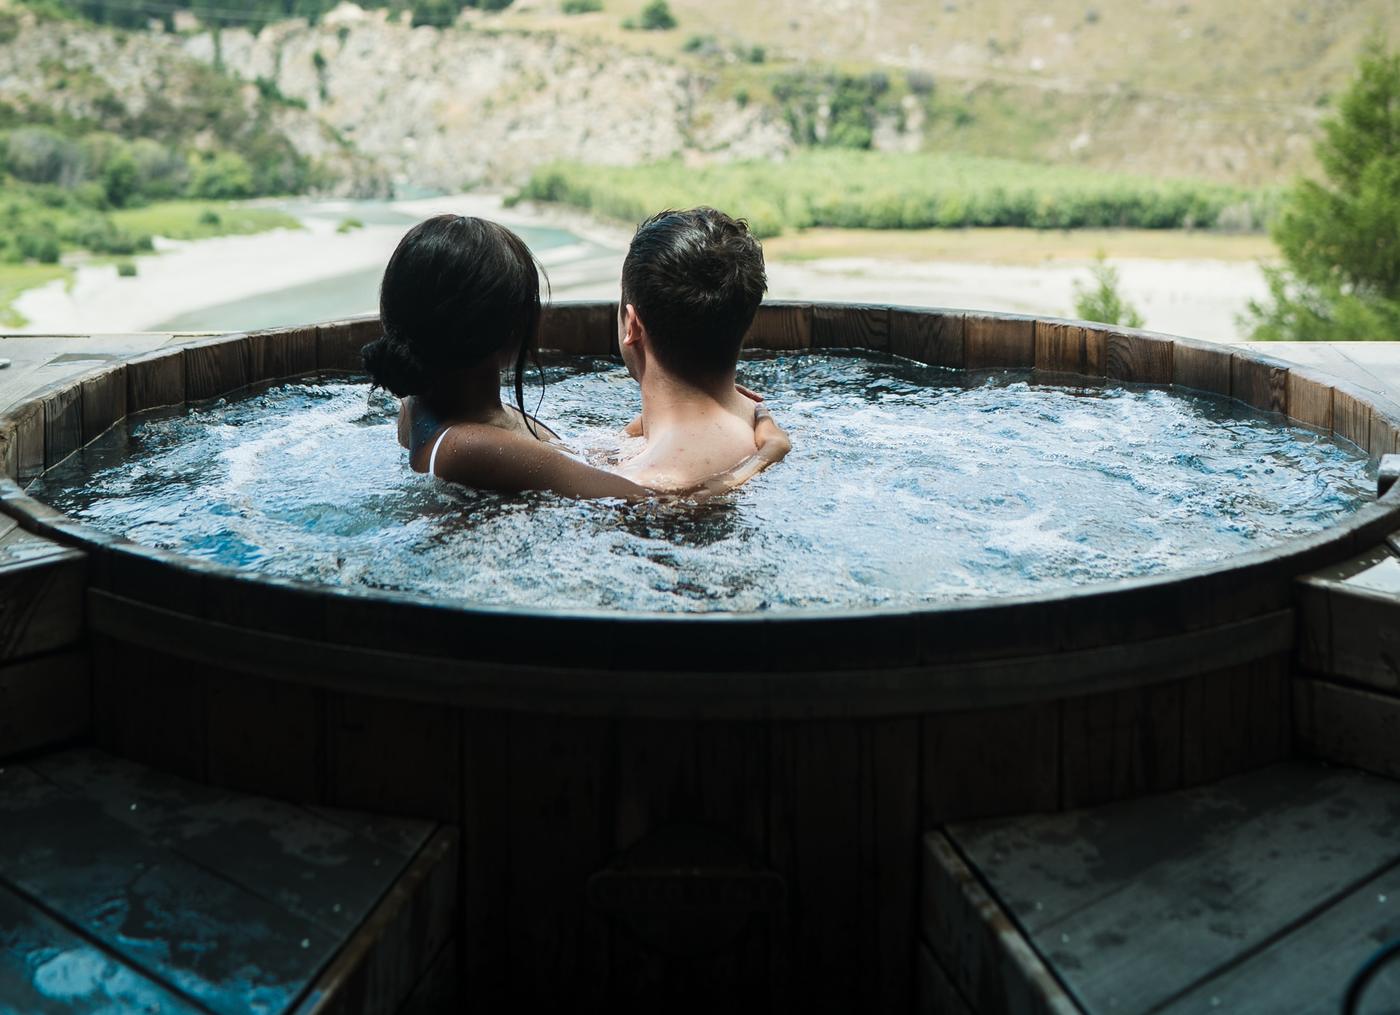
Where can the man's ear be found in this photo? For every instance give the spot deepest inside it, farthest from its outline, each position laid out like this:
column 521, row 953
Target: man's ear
column 632, row 327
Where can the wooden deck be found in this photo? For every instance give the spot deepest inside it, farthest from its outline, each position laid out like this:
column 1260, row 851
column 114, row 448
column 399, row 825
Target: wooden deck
column 123, row 889
column 1263, row 893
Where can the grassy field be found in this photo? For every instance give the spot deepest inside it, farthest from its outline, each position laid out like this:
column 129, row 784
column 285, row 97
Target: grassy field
column 1026, row 247
column 16, row 278
column 870, row 190
column 201, row 220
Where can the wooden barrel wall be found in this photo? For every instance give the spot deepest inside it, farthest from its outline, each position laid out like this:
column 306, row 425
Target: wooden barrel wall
column 740, row 828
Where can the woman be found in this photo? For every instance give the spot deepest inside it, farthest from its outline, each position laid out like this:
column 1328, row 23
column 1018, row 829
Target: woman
column 460, row 302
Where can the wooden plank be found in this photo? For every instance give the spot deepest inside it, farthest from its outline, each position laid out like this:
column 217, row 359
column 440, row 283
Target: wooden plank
column 1310, row 398
column 844, row 813
column 999, row 343
column 1259, row 382
column 1139, row 359
column 1060, row 347
column 45, row 701
column 280, row 354
column 1095, row 351
column 1236, row 720
column 972, row 937
column 1119, row 744
column 580, row 329
column 441, row 989
column 781, row 326
column 1135, row 902
column 216, row 368
column 850, row 326
column 934, row 993
column 41, row 596
column 63, row 424
column 215, row 941
column 317, row 868
column 1306, row 971
column 996, row 761
column 395, row 757
column 1351, row 417
column 338, row 343
column 46, row 967
column 28, row 420
column 487, row 869
column 934, row 337
column 265, row 736
column 377, row 969
column 559, row 836
column 150, row 707
column 1346, row 726
column 155, row 380
column 104, row 402
column 1365, row 637
column 9, row 449
column 691, row 796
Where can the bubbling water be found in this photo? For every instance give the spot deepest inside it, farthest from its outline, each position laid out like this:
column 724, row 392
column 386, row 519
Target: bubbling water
column 907, row 486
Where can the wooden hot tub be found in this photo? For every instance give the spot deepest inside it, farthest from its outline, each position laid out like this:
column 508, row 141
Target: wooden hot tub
column 738, row 828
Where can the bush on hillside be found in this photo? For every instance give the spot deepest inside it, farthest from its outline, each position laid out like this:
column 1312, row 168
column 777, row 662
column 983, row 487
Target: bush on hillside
column 582, row 6
column 1101, row 301
column 657, row 17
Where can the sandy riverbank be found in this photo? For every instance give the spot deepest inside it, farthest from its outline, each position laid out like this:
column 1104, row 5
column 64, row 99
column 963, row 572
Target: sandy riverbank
column 1195, row 297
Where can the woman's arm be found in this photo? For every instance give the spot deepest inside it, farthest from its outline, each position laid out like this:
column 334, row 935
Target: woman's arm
column 488, row 458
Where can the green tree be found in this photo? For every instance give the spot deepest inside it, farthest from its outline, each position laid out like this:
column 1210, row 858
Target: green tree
column 225, row 175
column 121, row 180
column 1101, row 301
column 1340, row 236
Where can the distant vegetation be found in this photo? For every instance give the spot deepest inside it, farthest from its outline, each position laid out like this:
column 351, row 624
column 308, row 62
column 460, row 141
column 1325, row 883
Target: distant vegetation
column 245, row 13
column 656, row 16
column 582, row 6
column 1101, row 301
column 1340, row 237
column 858, row 189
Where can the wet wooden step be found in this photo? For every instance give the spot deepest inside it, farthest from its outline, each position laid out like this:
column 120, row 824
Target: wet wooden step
column 1265, row 892
column 121, row 886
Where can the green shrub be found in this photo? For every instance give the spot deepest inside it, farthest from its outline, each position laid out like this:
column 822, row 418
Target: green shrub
column 126, row 269
column 657, row 17
column 582, row 6
column 222, row 176
column 349, row 225
column 209, row 217
column 1101, row 301
column 41, row 247
column 1340, row 238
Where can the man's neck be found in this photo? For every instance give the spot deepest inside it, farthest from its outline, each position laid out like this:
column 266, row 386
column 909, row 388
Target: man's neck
column 669, row 402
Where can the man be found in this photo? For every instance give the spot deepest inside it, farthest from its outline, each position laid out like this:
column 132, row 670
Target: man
column 691, row 284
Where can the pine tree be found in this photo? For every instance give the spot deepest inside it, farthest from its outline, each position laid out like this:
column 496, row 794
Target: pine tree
column 1340, row 237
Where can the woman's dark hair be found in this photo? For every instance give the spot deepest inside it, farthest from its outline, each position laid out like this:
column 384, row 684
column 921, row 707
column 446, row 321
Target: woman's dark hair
column 456, row 291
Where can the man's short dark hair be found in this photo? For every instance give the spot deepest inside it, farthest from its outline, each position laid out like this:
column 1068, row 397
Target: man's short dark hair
column 696, row 278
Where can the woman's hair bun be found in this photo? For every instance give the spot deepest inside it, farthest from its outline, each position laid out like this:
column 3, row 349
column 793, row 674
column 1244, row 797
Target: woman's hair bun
column 392, row 364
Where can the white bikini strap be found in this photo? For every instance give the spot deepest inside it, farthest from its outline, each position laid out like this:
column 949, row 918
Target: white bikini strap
column 432, row 458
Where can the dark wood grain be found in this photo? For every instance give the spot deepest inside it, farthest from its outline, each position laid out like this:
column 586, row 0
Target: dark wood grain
column 27, row 419
column 1120, row 744
column 216, row 368
column 1236, row 720
column 394, row 757
column 1259, row 382
column 999, row 343
column 934, row 337
column 265, row 737
column 45, row 701
column 150, row 707
column 1351, row 416
column 559, row 834
column 104, row 401
column 934, row 993
column 781, row 327
column 1310, row 398
column 487, row 864
column 338, row 343
column 1060, row 347
column 974, row 941
column 580, row 329
column 856, row 326
column 1139, row 359
column 1198, row 367
column 155, row 380
column 41, row 596
column 990, row 762
column 1347, row 726
column 281, row 353
column 63, row 424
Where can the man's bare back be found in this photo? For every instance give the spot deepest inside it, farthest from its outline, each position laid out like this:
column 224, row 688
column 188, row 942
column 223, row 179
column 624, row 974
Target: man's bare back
column 693, row 442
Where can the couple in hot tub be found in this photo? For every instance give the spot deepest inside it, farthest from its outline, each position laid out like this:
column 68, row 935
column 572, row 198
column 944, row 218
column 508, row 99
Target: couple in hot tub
column 460, row 302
